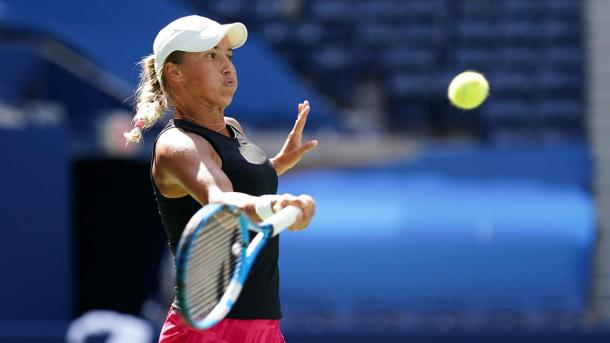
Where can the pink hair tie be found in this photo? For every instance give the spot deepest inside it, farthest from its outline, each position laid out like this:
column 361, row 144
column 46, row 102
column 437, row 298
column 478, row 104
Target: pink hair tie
column 139, row 123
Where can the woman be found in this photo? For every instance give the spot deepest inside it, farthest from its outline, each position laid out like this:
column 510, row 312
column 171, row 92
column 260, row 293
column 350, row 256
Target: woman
column 203, row 157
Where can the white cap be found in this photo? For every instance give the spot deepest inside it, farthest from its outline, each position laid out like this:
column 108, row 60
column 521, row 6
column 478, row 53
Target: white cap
column 194, row 33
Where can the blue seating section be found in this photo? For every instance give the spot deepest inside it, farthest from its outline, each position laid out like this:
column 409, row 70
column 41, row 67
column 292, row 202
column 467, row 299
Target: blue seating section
column 76, row 27
column 530, row 50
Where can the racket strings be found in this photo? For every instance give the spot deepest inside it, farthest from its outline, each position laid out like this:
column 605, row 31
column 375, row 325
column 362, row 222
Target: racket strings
column 208, row 277
column 212, row 263
column 205, row 288
column 206, row 245
column 207, row 292
column 201, row 245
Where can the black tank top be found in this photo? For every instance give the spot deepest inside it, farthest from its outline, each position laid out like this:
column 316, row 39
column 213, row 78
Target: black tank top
column 250, row 172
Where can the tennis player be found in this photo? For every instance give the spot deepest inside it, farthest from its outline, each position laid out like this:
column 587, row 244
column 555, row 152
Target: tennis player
column 202, row 157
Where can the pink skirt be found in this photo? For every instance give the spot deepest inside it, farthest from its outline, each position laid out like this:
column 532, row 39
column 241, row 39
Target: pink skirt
column 175, row 330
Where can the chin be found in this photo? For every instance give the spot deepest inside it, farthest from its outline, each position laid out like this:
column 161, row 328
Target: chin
column 227, row 99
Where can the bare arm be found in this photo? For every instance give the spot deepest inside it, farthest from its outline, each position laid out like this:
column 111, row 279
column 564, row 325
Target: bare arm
column 187, row 164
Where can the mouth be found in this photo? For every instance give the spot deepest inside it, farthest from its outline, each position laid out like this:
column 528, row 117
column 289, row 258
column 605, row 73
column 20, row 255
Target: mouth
column 229, row 82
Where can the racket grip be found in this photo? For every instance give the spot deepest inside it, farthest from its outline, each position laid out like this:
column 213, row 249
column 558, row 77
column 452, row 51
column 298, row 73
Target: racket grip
column 282, row 219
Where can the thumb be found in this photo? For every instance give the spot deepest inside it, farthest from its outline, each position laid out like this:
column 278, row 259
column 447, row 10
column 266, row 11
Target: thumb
column 309, row 146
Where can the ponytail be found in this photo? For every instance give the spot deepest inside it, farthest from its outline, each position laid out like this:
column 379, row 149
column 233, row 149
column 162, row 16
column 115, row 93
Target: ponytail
column 151, row 101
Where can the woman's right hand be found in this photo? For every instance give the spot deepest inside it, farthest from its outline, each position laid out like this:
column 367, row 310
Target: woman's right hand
column 304, row 202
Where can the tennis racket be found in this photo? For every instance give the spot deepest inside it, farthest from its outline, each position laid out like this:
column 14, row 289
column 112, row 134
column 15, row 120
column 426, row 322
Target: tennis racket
column 214, row 257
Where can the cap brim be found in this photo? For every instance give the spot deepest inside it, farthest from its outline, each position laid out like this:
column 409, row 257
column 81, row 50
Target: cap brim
column 235, row 32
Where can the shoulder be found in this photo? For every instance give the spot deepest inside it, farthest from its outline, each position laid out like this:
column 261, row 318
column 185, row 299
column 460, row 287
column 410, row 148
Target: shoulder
column 178, row 146
column 174, row 141
column 233, row 122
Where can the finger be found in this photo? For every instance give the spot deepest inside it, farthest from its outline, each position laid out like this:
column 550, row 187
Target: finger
column 309, row 209
column 295, row 228
column 296, row 134
column 300, row 220
column 306, row 218
column 304, row 202
column 307, row 147
column 303, row 109
column 281, row 202
column 307, row 206
column 301, row 119
column 298, row 224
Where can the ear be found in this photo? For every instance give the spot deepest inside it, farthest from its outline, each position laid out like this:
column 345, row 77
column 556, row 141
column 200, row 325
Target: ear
column 172, row 71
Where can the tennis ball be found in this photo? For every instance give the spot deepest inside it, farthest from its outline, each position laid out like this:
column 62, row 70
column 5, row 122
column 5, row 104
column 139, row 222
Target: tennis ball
column 468, row 90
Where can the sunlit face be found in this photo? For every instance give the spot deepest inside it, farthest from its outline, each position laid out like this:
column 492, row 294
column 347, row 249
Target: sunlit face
column 210, row 76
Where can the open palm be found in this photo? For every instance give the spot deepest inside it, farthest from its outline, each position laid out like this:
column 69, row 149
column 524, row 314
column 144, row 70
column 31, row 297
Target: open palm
column 294, row 149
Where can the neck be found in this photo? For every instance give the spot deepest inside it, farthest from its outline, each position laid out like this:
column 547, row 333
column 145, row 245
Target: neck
column 211, row 117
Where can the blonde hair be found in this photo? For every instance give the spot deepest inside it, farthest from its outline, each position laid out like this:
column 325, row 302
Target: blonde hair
column 152, row 99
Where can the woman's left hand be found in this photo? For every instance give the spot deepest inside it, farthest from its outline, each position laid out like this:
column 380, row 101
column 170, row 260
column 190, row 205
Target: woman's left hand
column 294, row 150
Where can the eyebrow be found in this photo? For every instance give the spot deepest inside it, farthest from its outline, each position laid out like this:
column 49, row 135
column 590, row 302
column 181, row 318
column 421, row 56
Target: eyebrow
column 216, row 48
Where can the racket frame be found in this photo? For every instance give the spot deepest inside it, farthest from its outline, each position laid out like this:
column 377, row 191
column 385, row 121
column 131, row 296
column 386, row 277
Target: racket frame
column 247, row 256
column 192, row 230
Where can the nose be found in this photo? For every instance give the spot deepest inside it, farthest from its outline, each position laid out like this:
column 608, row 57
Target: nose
column 227, row 67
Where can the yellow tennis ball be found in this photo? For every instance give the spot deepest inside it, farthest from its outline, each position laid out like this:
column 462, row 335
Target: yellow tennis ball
column 468, row 90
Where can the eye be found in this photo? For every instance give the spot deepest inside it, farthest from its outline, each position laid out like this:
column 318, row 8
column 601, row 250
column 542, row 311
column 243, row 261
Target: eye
column 230, row 57
column 212, row 55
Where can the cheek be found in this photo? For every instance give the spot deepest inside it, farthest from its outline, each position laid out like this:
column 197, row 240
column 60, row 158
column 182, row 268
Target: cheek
column 198, row 77
column 195, row 81
column 234, row 72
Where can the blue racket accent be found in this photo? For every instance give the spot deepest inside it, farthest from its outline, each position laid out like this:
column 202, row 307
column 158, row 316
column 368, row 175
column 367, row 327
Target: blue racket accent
column 214, row 258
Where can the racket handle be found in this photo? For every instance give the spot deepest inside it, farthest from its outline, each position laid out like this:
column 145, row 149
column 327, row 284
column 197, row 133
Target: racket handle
column 283, row 219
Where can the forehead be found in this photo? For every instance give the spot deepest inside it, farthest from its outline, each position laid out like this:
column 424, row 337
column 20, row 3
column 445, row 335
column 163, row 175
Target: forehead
column 224, row 44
